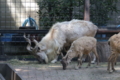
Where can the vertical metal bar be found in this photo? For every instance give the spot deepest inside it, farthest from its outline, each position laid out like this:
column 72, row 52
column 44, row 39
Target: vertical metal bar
column 0, row 15
column 5, row 14
column 87, row 10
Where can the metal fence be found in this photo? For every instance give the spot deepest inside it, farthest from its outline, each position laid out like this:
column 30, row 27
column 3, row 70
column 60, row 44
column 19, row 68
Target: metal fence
column 13, row 17
column 12, row 43
column 13, row 13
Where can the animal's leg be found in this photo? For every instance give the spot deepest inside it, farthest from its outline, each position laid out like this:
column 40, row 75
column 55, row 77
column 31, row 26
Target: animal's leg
column 96, row 54
column 113, row 62
column 108, row 68
column 89, row 60
column 55, row 60
column 58, row 53
column 109, row 62
column 116, row 59
column 84, row 57
column 79, row 61
column 94, row 59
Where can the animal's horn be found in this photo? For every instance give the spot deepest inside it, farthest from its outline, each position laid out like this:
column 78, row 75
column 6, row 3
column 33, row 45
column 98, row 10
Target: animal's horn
column 27, row 39
column 35, row 41
column 29, row 48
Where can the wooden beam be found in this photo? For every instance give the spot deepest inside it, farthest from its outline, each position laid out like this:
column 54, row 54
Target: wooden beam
column 87, row 10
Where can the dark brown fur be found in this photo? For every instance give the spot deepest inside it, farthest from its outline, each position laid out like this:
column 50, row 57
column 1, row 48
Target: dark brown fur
column 64, row 64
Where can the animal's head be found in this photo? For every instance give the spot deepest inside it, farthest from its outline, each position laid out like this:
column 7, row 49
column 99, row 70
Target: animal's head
column 64, row 63
column 42, row 57
column 38, row 50
column 67, row 59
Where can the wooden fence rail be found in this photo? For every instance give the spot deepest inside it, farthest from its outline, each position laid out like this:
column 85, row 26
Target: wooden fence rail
column 5, row 47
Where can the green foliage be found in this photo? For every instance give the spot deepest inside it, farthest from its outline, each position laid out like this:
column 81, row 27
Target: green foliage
column 101, row 9
column 51, row 11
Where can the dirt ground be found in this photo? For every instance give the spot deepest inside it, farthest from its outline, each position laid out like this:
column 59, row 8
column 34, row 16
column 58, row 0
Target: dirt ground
column 32, row 70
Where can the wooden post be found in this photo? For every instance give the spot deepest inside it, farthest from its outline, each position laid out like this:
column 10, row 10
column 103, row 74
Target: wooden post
column 87, row 10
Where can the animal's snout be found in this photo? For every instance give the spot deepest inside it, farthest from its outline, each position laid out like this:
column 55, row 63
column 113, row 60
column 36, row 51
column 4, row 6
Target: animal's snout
column 42, row 61
column 64, row 64
column 38, row 49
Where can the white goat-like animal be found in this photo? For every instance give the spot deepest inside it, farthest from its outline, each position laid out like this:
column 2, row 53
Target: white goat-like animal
column 81, row 46
column 60, row 35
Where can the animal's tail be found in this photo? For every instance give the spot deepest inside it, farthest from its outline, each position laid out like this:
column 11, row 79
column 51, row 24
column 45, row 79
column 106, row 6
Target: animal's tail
column 108, row 42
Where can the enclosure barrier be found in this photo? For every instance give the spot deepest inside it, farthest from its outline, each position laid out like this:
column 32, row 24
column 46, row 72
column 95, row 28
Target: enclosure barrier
column 12, row 42
column 8, row 73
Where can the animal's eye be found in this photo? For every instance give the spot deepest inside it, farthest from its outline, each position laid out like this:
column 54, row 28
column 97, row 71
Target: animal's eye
column 38, row 48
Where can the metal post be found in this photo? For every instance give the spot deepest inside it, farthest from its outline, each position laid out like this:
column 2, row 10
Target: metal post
column 87, row 10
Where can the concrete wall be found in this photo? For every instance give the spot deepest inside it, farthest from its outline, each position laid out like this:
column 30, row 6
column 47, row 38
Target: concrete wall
column 14, row 12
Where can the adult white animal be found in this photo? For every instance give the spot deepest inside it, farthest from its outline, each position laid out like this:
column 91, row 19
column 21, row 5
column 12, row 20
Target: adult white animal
column 60, row 35
column 82, row 46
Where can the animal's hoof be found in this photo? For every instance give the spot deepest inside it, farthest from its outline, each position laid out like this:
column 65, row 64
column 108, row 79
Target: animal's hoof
column 110, row 72
column 76, row 68
column 53, row 61
column 114, row 71
column 93, row 62
column 64, row 65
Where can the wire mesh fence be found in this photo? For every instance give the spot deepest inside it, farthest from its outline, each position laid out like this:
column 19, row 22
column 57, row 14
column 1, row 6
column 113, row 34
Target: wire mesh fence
column 15, row 13
column 47, row 12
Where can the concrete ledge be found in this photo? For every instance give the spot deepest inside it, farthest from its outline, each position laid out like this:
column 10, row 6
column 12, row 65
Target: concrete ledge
column 8, row 73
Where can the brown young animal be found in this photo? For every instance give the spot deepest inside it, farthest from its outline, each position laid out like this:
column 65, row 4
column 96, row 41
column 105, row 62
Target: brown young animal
column 114, row 43
column 79, row 47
